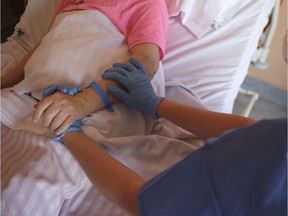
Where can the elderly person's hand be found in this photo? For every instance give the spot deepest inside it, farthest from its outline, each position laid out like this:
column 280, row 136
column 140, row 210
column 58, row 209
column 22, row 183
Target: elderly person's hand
column 59, row 108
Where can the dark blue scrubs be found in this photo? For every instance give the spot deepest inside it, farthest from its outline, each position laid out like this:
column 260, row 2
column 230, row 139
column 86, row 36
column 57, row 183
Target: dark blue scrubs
column 241, row 173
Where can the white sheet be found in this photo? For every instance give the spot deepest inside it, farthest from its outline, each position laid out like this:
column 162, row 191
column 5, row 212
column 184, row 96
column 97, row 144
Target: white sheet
column 40, row 177
column 214, row 14
column 214, row 66
column 78, row 48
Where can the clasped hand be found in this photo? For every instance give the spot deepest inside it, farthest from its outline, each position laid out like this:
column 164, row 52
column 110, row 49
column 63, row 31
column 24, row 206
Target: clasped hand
column 59, row 108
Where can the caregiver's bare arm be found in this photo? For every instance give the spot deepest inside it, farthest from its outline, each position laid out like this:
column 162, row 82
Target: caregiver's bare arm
column 121, row 187
column 59, row 111
column 203, row 123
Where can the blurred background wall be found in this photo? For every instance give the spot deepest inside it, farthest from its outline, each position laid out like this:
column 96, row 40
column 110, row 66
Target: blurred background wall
column 276, row 73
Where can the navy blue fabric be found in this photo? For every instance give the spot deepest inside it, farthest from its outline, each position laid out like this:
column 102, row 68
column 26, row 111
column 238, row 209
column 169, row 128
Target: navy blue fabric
column 241, row 173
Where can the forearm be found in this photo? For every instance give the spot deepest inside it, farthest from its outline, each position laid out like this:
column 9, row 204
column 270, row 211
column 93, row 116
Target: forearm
column 116, row 181
column 13, row 77
column 16, row 75
column 147, row 54
column 92, row 101
column 202, row 123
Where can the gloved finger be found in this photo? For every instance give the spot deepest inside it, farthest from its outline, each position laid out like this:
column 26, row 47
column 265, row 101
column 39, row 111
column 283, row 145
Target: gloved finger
column 64, row 126
column 76, row 90
column 121, row 71
column 77, row 123
column 120, row 93
column 136, row 63
column 50, row 90
column 72, row 91
column 123, row 80
column 62, row 89
column 58, row 139
column 127, row 67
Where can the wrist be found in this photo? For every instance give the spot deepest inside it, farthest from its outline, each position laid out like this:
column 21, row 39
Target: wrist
column 155, row 115
column 89, row 101
column 102, row 94
column 72, row 129
column 71, row 136
column 160, row 107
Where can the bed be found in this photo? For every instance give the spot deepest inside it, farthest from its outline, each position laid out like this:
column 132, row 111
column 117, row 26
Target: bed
column 202, row 67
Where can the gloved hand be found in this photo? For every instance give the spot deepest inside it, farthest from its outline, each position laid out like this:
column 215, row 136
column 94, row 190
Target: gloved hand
column 76, row 126
column 54, row 88
column 138, row 92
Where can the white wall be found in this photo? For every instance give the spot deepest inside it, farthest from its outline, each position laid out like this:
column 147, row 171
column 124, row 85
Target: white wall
column 276, row 73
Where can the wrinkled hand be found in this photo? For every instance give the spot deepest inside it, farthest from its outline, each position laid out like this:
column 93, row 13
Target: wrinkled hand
column 58, row 110
column 139, row 92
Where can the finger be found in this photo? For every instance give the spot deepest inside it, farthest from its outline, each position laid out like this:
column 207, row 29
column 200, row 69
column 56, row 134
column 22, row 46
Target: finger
column 136, row 63
column 76, row 90
column 71, row 91
column 62, row 89
column 77, row 123
column 49, row 114
column 121, row 71
column 117, row 77
column 65, row 125
column 127, row 67
column 41, row 107
column 57, row 121
column 50, row 90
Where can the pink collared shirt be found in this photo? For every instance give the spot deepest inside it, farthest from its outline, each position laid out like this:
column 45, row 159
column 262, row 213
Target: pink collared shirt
column 140, row 21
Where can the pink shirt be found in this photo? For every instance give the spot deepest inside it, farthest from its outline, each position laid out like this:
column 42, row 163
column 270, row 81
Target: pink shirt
column 140, row 21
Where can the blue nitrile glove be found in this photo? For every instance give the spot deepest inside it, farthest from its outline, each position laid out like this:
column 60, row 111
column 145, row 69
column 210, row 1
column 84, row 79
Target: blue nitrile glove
column 54, row 88
column 76, row 126
column 139, row 92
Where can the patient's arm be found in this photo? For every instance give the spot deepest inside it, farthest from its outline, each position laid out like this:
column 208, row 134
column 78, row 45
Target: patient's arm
column 16, row 75
column 147, row 54
column 121, row 187
column 68, row 109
